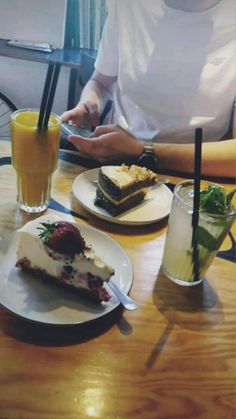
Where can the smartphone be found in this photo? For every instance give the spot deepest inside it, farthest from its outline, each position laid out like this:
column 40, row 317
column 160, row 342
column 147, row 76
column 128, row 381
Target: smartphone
column 69, row 129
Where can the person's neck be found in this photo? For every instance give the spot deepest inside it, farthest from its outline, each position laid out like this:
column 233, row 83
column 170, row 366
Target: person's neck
column 191, row 5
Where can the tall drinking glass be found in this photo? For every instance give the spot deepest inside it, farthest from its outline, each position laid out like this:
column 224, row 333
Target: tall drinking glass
column 34, row 157
column 179, row 258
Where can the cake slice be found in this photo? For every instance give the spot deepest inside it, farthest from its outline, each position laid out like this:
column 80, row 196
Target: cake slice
column 123, row 187
column 55, row 250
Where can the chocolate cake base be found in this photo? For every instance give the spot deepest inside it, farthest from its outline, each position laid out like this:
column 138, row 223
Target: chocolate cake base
column 114, row 209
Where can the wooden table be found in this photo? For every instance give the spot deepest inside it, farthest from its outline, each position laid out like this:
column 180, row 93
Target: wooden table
column 174, row 357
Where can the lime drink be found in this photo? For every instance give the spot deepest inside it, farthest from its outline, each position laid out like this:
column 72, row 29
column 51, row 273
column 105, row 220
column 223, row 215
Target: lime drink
column 178, row 258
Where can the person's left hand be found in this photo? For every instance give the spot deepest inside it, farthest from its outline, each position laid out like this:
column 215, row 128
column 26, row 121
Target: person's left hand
column 108, row 143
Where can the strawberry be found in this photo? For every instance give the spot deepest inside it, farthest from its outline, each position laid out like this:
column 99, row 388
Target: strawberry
column 62, row 237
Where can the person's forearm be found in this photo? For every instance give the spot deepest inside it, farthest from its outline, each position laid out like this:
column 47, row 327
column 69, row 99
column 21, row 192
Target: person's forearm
column 93, row 92
column 98, row 90
column 218, row 158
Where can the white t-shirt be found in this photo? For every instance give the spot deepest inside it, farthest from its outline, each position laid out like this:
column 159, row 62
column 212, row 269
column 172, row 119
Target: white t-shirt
column 176, row 70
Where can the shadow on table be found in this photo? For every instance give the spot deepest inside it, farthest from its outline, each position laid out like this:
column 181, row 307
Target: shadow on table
column 45, row 335
column 195, row 308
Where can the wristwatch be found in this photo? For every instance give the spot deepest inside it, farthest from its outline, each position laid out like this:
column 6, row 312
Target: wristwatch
column 148, row 157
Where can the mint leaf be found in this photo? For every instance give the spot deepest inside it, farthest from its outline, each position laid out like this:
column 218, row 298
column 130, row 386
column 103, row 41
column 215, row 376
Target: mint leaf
column 215, row 200
column 203, row 237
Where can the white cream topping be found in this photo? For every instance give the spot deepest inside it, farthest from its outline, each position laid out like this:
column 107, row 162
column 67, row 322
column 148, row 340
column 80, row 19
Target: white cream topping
column 127, row 175
column 117, row 175
column 31, row 247
column 121, row 201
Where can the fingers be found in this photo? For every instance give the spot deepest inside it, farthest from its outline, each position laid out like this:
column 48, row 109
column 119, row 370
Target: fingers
column 65, row 117
column 108, row 144
column 104, row 129
column 83, row 144
column 89, row 147
column 93, row 114
column 77, row 116
column 84, row 115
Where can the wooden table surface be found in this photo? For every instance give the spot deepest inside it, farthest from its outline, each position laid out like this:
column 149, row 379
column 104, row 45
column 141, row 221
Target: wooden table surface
column 174, row 357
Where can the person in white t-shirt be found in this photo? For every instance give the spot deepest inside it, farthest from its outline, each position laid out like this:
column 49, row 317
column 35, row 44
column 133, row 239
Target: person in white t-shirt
column 169, row 67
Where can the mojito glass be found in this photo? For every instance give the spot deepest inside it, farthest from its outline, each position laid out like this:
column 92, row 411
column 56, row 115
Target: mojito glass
column 179, row 259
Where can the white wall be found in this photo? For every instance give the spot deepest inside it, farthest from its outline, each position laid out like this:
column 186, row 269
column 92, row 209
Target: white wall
column 23, row 81
column 36, row 20
column 43, row 20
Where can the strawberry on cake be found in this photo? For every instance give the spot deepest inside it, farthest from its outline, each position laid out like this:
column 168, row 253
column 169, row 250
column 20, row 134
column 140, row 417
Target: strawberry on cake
column 55, row 250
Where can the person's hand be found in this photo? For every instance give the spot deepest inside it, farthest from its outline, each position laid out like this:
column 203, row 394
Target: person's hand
column 108, row 143
column 84, row 115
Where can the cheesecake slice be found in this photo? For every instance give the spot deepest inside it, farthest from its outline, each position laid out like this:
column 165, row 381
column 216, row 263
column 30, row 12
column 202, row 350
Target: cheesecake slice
column 55, row 251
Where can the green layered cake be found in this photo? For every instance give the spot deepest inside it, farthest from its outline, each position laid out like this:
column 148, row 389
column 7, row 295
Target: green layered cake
column 123, row 187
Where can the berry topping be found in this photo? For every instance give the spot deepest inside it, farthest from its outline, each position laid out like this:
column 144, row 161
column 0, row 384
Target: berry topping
column 62, row 237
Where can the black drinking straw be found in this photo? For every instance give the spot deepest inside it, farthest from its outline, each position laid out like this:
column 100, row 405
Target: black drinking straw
column 196, row 199
column 48, row 94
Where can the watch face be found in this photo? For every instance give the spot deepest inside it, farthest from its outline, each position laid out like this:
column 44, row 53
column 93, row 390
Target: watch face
column 149, row 161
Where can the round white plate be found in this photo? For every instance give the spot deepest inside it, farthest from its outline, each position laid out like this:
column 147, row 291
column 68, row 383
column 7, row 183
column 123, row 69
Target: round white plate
column 155, row 207
column 35, row 300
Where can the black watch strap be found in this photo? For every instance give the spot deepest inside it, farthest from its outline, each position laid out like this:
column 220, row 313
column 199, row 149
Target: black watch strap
column 148, row 157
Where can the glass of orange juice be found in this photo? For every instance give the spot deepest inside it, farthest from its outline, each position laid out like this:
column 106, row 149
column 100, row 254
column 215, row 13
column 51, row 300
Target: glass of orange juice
column 34, row 157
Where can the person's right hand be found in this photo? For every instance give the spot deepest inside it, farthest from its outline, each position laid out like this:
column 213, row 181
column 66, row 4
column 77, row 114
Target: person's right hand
column 84, row 115
column 109, row 143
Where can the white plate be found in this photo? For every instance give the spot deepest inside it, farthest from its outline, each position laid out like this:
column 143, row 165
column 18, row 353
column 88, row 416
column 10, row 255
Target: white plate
column 32, row 299
column 155, row 207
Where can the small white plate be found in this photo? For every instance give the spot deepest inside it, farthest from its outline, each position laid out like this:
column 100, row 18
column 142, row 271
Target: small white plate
column 155, row 207
column 32, row 299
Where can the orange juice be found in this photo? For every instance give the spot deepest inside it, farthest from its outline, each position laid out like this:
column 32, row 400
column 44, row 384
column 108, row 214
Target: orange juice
column 34, row 157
